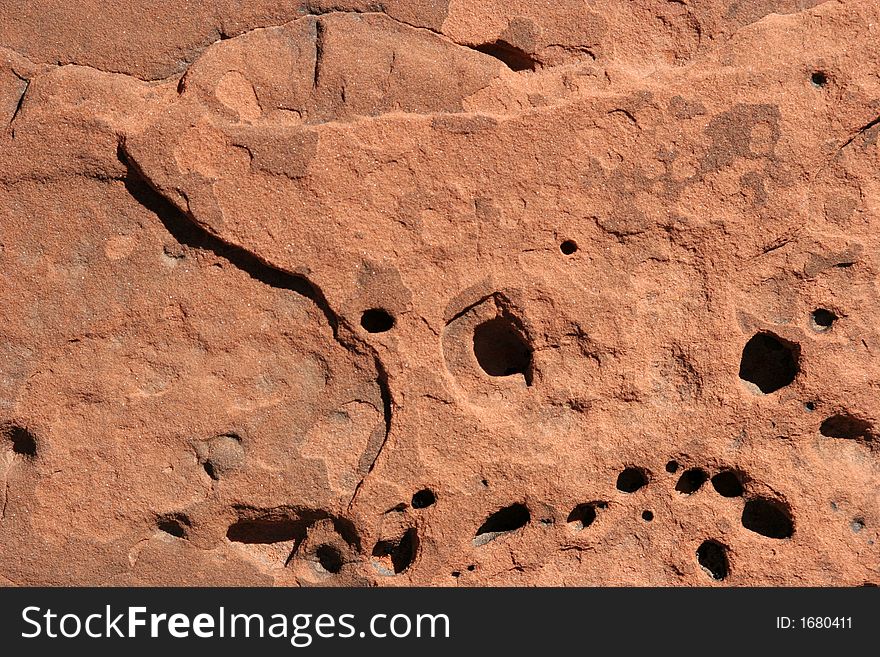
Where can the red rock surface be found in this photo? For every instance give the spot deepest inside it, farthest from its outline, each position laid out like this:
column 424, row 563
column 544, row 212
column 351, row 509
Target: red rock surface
column 440, row 293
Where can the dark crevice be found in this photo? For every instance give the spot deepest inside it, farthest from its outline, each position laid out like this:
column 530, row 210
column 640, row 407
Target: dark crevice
column 516, row 59
column 188, row 233
column 860, row 132
column 20, row 103
column 319, row 51
column 282, row 524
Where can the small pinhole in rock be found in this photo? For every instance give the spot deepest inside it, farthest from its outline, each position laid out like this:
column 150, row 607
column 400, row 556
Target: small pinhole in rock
column 175, row 524
column 568, row 247
column 423, row 499
column 22, row 441
column 810, row 406
column 456, row 574
column 691, row 481
column 631, row 479
column 819, row 79
column 503, row 521
column 484, row 483
column 712, row 556
column 768, row 518
column 329, row 558
column 647, row 516
column 822, row 319
column 472, row 568
column 672, row 467
column 769, row 362
column 501, row 349
column 376, row 320
column 857, row 525
column 727, row 483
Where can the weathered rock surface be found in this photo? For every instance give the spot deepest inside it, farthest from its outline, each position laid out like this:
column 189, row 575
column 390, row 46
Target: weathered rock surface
column 439, row 293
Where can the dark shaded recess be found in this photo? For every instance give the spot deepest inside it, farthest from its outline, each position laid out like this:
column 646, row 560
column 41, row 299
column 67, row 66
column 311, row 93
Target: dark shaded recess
column 819, row 79
column 647, row 516
column 501, row 349
column 423, row 499
column 568, row 247
column 505, row 520
column 672, row 467
column 330, row 558
column 190, row 234
column 23, row 441
column 176, row 524
column 211, row 471
column 712, row 556
column 728, row 484
column 768, row 518
column 823, row 318
column 377, row 320
column 585, row 514
column 631, row 479
column 277, row 526
column 516, row 59
column 769, row 362
column 402, row 552
column 691, row 481
column 845, row 426
column 266, row 530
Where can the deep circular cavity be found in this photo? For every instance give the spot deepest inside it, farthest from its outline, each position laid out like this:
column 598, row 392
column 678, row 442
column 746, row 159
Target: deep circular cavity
column 377, row 320
column 568, row 247
column 631, row 479
column 329, row 558
column 423, row 499
column 822, row 319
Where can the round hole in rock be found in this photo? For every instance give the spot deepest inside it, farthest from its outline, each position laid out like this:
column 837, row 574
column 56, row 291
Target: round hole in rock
column 423, row 499
column 647, row 516
column 727, row 483
column 472, row 568
column 819, row 78
column 672, row 467
column 857, row 525
column 175, row 524
column 691, row 481
column 631, row 479
column 769, row 362
column 810, row 406
column 22, row 441
column 568, row 247
column 501, row 349
column 822, row 319
column 845, row 426
column 768, row 518
column 583, row 515
column 329, row 558
column 376, row 320
column 712, row 556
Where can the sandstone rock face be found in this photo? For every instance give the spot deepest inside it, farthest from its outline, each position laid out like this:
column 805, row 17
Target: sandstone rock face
column 440, row 293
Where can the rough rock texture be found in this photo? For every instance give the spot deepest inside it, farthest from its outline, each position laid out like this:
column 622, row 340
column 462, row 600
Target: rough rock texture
column 440, row 293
